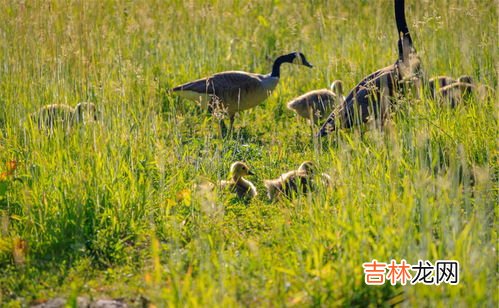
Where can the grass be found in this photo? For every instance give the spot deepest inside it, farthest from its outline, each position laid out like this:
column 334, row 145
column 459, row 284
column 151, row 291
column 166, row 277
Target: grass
column 109, row 210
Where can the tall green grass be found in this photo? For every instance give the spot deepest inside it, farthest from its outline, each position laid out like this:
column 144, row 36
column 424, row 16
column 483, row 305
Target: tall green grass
column 110, row 209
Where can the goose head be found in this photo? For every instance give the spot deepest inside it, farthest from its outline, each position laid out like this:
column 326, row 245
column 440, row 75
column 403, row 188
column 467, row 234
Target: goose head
column 296, row 57
column 307, row 167
column 299, row 59
column 239, row 169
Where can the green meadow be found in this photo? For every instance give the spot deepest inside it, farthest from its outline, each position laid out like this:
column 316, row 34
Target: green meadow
column 111, row 209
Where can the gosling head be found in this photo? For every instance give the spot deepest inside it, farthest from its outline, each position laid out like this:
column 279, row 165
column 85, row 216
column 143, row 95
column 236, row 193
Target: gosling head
column 240, row 169
column 85, row 112
column 307, row 167
column 337, row 87
column 465, row 79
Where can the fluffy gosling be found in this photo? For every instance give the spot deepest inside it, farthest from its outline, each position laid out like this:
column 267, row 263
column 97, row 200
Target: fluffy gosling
column 53, row 115
column 455, row 93
column 318, row 104
column 295, row 182
column 437, row 83
column 238, row 184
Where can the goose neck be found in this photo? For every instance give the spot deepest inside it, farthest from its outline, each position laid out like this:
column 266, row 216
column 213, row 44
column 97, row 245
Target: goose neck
column 276, row 68
column 236, row 178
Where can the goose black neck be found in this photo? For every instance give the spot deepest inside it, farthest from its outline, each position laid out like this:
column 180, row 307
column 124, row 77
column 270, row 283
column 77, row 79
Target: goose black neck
column 276, row 68
column 401, row 25
column 400, row 17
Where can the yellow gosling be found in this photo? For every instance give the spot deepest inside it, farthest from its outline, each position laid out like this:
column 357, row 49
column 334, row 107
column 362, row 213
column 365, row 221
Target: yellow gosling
column 238, row 184
column 292, row 182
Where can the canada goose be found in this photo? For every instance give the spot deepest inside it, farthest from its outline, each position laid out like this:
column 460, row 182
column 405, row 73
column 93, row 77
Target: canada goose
column 295, row 182
column 318, row 104
column 367, row 96
column 63, row 115
column 234, row 91
column 242, row 187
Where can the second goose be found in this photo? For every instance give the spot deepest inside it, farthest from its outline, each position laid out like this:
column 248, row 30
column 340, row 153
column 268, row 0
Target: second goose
column 233, row 91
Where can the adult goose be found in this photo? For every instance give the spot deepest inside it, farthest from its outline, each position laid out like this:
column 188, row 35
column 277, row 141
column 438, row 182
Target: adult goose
column 238, row 184
column 318, row 104
column 373, row 95
column 233, row 91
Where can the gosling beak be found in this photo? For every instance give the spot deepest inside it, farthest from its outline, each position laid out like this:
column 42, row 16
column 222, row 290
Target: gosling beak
column 250, row 172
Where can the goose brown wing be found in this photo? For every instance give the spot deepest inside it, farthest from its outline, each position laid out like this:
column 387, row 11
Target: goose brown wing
column 230, row 85
column 198, row 86
column 225, row 85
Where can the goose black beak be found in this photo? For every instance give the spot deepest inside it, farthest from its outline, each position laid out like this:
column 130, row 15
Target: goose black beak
column 308, row 64
column 250, row 172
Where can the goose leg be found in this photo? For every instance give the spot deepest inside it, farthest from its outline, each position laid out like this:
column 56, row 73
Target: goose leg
column 223, row 128
column 213, row 109
column 231, row 124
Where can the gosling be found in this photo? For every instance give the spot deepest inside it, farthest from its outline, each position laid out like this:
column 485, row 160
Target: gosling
column 295, row 182
column 238, row 184
column 455, row 93
column 318, row 104
column 54, row 115
column 439, row 82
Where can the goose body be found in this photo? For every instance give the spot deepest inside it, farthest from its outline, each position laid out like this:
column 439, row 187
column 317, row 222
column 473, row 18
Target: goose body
column 373, row 94
column 238, row 184
column 318, row 104
column 63, row 115
column 233, row 91
column 238, row 90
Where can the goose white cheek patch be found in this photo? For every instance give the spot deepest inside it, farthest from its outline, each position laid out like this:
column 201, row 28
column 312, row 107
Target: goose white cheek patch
column 297, row 60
